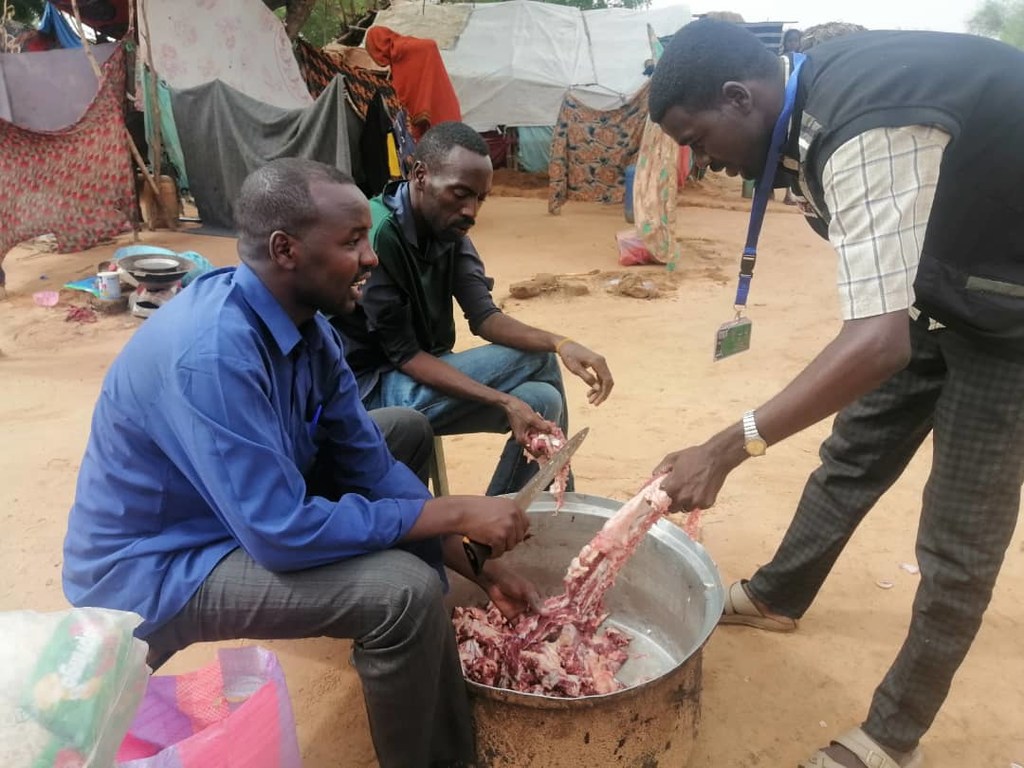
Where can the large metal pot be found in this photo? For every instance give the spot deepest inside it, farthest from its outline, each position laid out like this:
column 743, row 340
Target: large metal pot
column 668, row 597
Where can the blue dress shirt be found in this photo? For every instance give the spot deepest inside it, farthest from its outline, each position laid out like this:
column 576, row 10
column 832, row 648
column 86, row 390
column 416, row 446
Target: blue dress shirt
column 206, row 428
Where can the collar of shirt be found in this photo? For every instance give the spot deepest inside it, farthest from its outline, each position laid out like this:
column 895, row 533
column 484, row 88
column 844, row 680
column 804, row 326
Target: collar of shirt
column 269, row 310
column 398, row 199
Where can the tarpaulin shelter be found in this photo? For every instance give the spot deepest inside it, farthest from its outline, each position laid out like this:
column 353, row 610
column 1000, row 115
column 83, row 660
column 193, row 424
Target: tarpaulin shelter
column 226, row 135
column 238, row 97
column 513, row 62
column 65, row 165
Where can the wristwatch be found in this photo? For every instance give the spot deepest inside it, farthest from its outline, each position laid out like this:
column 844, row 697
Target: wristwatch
column 753, row 443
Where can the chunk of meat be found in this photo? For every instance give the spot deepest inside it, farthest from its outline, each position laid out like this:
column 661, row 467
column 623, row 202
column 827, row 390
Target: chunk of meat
column 563, row 650
column 540, row 447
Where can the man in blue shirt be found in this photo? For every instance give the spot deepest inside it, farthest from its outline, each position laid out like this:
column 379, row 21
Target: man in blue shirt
column 234, row 486
column 400, row 338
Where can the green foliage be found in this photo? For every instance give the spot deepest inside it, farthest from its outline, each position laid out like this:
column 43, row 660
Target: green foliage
column 328, row 19
column 1001, row 19
column 584, row 5
column 27, row 11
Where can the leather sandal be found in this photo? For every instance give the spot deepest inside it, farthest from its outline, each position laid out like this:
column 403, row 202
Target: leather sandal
column 867, row 750
column 740, row 609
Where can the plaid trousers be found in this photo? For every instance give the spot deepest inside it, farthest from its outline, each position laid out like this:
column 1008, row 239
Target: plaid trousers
column 973, row 403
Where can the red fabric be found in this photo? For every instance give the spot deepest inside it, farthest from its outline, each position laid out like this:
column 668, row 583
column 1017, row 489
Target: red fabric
column 684, row 165
column 418, row 76
column 37, row 42
column 498, row 145
column 76, row 182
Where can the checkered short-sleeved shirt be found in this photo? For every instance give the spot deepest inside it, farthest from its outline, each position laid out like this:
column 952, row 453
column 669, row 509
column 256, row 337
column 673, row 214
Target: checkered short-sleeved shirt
column 879, row 187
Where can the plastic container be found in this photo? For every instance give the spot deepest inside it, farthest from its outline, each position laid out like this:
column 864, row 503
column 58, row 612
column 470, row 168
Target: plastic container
column 628, row 199
column 109, row 285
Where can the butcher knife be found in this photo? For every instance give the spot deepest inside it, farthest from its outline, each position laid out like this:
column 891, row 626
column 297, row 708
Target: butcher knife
column 478, row 553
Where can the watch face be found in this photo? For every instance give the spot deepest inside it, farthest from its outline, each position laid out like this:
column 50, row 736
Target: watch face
column 756, row 447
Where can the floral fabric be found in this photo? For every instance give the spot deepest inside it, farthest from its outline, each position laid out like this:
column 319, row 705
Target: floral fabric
column 591, row 148
column 76, row 182
column 655, row 189
column 239, row 42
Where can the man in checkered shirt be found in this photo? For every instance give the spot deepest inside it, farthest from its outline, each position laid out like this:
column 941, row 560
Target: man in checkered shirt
column 905, row 150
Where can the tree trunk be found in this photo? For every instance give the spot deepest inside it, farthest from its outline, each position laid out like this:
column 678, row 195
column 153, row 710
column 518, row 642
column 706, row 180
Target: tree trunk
column 298, row 14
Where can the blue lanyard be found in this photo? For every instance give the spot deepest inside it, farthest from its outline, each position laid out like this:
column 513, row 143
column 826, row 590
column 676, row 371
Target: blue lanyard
column 765, row 185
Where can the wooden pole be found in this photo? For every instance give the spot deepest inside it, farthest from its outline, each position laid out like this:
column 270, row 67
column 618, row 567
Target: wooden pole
column 153, row 102
column 99, row 79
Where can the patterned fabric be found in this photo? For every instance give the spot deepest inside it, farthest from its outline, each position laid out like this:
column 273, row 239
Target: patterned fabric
column 319, row 67
column 655, row 190
column 879, row 188
column 76, row 182
column 591, row 148
column 239, row 42
column 971, row 402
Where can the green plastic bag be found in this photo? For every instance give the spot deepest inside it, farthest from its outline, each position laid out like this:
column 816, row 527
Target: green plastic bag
column 70, row 683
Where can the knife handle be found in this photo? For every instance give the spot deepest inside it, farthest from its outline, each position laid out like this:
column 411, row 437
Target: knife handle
column 476, row 553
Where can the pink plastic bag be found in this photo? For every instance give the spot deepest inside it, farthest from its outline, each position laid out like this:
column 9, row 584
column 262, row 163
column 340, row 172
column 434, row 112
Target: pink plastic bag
column 632, row 250
column 234, row 712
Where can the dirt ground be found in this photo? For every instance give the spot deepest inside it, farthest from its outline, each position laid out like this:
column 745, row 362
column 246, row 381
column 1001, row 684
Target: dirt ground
column 768, row 700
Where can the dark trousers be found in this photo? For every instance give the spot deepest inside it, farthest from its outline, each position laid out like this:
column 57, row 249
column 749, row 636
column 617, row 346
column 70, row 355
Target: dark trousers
column 390, row 603
column 973, row 403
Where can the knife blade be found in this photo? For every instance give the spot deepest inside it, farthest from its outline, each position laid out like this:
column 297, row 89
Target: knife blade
column 478, row 553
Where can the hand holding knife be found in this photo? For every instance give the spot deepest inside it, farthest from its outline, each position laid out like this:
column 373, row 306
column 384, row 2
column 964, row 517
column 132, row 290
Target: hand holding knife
column 478, row 553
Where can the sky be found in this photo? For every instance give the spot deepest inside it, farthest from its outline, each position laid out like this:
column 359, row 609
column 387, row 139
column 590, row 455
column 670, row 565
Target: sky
column 941, row 15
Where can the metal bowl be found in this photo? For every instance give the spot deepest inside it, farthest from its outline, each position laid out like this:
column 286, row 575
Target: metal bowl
column 154, row 267
column 156, row 264
column 668, row 597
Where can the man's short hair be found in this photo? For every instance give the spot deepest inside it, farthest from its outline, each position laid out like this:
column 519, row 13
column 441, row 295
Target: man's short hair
column 822, row 33
column 699, row 59
column 442, row 138
column 277, row 196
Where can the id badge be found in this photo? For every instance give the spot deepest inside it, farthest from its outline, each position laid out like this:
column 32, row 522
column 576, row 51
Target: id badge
column 733, row 337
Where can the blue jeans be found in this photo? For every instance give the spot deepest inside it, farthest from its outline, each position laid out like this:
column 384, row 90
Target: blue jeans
column 533, row 377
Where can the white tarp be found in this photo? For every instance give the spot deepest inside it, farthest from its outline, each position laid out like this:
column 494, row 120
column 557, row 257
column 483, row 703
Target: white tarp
column 514, row 61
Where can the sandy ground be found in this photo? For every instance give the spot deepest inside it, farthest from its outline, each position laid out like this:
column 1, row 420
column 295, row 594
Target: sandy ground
column 768, row 700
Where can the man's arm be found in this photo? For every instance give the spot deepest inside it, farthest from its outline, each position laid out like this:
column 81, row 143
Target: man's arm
column 223, row 433
column 879, row 187
column 472, row 289
column 864, row 354
column 499, row 328
column 433, row 372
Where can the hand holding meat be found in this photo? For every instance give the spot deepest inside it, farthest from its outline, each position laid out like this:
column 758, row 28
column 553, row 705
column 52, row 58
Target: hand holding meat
column 511, row 593
column 591, row 367
column 525, row 421
column 695, row 476
column 496, row 522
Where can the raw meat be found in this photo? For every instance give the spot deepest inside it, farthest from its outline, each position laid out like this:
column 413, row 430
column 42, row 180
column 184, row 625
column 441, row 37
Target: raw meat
column 561, row 651
column 540, row 447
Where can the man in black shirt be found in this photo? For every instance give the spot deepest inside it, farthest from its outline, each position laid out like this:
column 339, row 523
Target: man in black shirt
column 399, row 341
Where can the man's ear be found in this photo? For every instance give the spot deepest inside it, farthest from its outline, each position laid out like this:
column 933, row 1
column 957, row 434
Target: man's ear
column 283, row 249
column 738, row 96
column 418, row 175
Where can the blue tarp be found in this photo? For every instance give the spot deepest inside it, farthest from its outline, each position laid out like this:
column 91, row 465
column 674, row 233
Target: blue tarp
column 535, row 148
column 55, row 25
